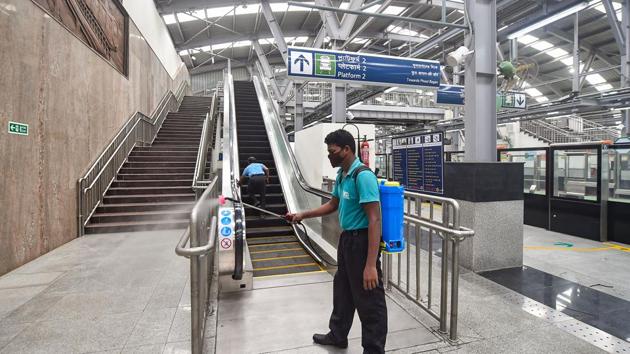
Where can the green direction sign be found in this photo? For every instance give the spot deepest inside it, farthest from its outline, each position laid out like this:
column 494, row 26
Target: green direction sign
column 18, row 128
column 325, row 64
column 514, row 100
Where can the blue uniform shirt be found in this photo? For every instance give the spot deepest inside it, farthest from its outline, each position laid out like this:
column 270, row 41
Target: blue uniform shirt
column 351, row 196
column 254, row 169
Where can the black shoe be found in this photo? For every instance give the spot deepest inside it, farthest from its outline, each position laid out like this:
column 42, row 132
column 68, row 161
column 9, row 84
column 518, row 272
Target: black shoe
column 326, row 339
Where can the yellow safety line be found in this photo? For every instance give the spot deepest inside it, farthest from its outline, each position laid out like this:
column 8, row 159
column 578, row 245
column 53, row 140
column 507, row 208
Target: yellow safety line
column 293, row 274
column 288, row 266
column 609, row 247
column 278, row 243
column 274, row 258
column 278, row 250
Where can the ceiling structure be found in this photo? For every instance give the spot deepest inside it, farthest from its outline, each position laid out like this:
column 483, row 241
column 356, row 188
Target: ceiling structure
column 207, row 32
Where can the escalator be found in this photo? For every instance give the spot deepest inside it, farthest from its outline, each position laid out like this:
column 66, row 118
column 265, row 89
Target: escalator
column 273, row 245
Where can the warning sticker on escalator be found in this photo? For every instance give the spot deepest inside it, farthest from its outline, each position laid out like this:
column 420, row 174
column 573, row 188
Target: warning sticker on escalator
column 226, row 243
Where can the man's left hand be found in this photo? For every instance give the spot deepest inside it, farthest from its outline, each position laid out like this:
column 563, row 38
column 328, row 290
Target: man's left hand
column 370, row 277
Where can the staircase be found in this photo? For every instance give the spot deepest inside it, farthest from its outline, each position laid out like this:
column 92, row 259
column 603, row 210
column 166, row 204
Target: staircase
column 568, row 130
column 153, row 189
column 272, row 244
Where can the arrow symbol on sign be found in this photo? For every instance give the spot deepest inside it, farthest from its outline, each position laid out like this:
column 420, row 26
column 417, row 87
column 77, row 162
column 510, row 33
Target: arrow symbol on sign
column 520, row 100
column 301, row 60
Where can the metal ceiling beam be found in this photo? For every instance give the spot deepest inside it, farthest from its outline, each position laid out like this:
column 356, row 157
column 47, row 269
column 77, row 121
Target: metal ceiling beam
column 276, row 31
column 200, row 42
column 364, row 25
column 615, row 28
column 584, row 46
column 390, row 17
column 436, row 41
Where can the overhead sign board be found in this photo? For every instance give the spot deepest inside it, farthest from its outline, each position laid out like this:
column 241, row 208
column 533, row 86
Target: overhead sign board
column 372, row 69
column 450, row 95
column 418, row 162
column 514, row 100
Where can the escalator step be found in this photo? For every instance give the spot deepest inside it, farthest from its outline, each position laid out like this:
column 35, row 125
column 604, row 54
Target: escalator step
column 271, row 262
column 290, row 269
column 268, row 240
column 282, row 253
column 274, row 247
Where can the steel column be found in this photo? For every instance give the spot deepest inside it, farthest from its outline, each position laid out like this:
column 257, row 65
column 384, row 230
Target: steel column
column 298, row 123
column 481, row 84
column 514, row 49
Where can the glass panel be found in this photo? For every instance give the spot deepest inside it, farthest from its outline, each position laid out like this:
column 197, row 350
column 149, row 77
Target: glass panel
column 619, row 160
column 575, row 174
column 534, row 169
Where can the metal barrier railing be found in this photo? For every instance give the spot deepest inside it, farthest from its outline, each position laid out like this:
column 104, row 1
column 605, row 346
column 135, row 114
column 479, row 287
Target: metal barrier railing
column 199, row 183
column 139, row 129
column 201, row 235
column 229, row 107
column 446, row 226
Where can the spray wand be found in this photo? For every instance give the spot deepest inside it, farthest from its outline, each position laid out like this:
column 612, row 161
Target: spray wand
column 223, row 198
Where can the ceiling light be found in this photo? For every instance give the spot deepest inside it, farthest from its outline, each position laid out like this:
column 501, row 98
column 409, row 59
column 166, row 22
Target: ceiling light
column 545, row 21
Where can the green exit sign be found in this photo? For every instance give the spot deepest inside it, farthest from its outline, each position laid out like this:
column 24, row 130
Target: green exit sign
column 18, row 128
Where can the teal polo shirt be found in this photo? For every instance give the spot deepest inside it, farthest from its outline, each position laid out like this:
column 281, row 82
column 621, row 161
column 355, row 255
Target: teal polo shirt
column 351, row 195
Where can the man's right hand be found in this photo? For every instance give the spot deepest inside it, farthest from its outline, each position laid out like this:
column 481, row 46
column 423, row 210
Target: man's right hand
column 293, row 218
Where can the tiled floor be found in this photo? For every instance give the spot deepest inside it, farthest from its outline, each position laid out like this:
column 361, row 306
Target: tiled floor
column 129, row 293
column 117, row 293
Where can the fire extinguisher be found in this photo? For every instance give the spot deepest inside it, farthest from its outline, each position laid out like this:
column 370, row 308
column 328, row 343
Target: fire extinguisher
column 365, row 151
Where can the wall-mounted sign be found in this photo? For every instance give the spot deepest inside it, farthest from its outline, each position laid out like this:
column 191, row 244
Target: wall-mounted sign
column 450, row 95
column 18, row 128
column 418, row 162
column 338, row 66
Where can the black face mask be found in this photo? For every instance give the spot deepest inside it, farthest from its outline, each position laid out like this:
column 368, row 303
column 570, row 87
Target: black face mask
column 335, row 159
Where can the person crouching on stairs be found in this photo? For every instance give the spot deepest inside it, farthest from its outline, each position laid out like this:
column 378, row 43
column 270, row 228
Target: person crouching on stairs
column 258, row 179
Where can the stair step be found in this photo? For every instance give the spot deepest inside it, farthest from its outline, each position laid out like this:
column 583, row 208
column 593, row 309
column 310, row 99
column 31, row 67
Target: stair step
column 136, row 226
column 138, row 207
column 166, row 149
column 161, row 158
column 162, row 215
column 155, row 170
column 148, row 198
column 156, row 164
column 152, row 183
column 152, row 190
column 155, row 176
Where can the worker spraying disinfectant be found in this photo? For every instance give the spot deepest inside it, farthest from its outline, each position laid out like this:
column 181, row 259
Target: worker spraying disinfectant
column 371, row 218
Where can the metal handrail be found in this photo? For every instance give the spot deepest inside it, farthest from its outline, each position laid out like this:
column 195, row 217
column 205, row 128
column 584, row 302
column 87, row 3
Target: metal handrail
column 139, row 129
column 202, row 154
column 239, row 212
column 201, row 235
column 448, row 228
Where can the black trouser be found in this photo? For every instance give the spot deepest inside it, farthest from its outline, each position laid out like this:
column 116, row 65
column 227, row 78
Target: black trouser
column 257, row 185
column 349, row 294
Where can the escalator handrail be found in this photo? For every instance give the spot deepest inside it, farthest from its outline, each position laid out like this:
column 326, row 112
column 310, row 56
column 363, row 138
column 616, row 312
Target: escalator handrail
column 239, row 221
column 298, row 172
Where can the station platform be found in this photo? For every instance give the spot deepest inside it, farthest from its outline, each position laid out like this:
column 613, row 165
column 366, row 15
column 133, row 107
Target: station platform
column 129, row 293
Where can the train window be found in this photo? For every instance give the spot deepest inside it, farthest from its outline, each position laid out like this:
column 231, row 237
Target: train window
column 575, row 174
